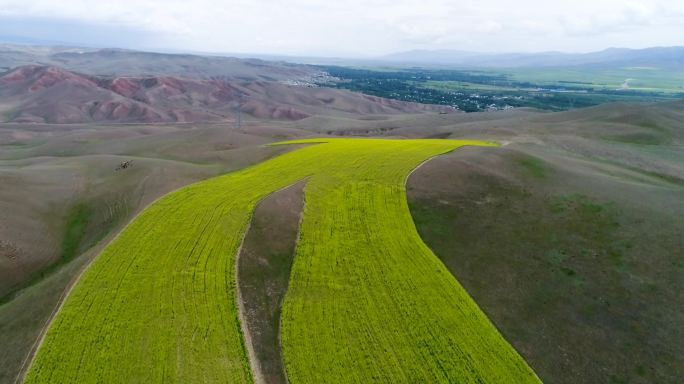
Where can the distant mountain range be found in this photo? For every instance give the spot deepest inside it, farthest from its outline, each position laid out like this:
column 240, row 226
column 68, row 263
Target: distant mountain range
column 117, row 62
column 662, row 57
column 121, row 62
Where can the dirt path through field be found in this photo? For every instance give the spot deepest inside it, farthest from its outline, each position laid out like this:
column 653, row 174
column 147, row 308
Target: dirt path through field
column 263, row 271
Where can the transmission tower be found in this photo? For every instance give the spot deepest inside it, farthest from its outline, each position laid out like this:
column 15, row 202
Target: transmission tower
column 237, row 106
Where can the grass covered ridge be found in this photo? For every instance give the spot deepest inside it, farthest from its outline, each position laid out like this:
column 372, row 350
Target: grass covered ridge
column 367, row 301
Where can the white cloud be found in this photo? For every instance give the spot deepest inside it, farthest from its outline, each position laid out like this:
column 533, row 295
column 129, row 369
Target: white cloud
column 372, row 26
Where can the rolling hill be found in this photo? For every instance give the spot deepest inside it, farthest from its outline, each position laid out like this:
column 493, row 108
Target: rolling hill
column 581, row 211
column 46, row 94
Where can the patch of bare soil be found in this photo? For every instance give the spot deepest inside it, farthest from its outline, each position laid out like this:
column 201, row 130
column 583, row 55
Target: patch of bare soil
column 264, row 265
column 8, row 250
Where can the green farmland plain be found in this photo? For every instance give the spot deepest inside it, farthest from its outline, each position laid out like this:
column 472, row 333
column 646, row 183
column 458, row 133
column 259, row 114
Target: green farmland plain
column 367, row 301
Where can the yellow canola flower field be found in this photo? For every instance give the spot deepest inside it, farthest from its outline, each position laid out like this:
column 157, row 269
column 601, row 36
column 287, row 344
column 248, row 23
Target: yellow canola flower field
column 368, row 302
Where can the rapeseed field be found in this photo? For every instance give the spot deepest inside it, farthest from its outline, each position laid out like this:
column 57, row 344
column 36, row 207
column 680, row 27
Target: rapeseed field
column 367, row 301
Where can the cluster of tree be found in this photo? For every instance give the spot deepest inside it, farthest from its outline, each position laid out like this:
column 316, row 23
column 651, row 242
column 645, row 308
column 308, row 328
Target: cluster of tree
column 416, row 74
column 418, row 85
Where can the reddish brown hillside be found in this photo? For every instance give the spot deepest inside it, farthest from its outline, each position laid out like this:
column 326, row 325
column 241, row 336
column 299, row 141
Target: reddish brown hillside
column 43, row 94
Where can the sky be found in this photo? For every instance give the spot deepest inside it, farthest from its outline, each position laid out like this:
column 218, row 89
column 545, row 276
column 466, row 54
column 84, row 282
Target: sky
column 348, row 28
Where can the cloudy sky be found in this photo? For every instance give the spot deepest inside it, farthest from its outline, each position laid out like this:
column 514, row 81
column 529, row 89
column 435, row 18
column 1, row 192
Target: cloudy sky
column 346, row 28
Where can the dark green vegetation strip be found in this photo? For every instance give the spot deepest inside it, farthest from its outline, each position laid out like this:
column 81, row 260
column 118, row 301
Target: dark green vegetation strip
column 367, row 300
column 76, row 226
column 587, row 289
column 72, row 243
column 534, row 166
